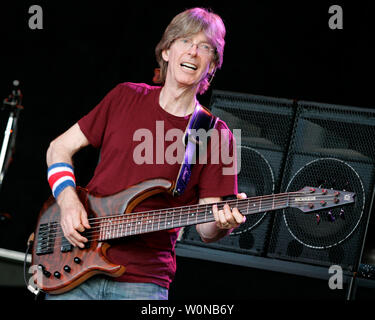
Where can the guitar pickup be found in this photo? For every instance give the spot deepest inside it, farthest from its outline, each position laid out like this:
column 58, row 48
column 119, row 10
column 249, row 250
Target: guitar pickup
column 86, row 234
column 66, row 246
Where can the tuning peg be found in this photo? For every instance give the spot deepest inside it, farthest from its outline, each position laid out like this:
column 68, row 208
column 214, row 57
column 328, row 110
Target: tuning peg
column 317, row 218
column 331, row 217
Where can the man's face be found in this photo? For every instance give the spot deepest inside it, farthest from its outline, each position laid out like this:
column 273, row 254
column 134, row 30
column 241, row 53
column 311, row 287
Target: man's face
column 189, row 60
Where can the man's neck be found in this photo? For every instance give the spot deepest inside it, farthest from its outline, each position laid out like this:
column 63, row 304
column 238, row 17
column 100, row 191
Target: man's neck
column 178, row 101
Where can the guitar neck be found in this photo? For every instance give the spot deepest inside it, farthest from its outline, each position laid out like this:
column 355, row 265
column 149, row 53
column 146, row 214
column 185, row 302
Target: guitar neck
column 118, row 226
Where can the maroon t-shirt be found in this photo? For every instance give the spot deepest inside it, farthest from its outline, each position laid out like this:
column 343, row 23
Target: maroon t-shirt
column 126, row 126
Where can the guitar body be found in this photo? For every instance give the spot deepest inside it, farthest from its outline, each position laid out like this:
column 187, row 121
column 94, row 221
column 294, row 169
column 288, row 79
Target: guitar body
column 59, row 266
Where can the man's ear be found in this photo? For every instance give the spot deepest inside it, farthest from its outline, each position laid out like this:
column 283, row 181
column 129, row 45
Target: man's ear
column 165, row 55
column 212, row 68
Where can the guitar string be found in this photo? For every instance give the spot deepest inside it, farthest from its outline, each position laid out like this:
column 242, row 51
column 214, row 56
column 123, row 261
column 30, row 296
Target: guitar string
column 95, row 236
column 285, row 194
column 134, row 217
column 255, row 198
column 194, row 209
column 119, row 225
column 162, row 210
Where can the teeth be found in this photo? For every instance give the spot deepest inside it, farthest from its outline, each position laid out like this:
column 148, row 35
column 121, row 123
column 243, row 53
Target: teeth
column 189, row 65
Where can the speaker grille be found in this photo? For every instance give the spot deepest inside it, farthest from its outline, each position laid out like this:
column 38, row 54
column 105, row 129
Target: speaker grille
column 332, row 146
column 266, row 125
column 255, row 182
column 327, row 228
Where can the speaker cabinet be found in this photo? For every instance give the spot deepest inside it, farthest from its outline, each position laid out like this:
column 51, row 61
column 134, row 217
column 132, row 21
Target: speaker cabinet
column 332, row 146
column 266, row 125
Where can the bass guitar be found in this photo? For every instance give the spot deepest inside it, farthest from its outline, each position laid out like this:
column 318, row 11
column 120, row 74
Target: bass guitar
column 59, row 266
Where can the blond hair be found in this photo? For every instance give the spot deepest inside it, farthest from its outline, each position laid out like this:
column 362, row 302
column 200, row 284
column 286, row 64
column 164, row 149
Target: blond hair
column 188, row 23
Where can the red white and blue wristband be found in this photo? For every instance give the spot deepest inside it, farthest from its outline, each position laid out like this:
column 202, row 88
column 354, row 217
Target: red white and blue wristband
column 60, row 176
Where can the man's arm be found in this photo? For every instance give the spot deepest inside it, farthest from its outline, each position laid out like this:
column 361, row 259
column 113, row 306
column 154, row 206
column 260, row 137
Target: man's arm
column 225, row 220
column 73, row 215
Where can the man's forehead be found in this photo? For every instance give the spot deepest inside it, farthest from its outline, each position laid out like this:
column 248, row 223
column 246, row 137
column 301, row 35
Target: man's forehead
column 199, row 36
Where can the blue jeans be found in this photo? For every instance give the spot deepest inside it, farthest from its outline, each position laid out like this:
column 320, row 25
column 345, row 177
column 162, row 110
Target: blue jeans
column 102, row 288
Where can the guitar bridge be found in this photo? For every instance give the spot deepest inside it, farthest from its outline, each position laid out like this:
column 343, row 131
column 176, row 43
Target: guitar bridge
column 46, row 238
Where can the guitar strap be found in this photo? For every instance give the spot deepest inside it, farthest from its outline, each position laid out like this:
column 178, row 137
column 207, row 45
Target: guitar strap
column 201, row 118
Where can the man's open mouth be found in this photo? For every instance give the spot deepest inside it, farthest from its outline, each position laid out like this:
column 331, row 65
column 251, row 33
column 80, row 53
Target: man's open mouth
column 189, row 66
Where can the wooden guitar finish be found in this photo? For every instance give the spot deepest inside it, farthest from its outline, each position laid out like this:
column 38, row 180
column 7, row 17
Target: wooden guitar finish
column 61, row 267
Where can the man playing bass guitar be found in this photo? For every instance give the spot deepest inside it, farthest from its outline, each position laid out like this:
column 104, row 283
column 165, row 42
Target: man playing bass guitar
column 190, row 51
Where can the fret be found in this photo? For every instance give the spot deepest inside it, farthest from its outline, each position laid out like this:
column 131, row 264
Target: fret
column 110, row 229
column 172, row 225
column 103, row 224
column 100, row 229
column 159, row 219
column 130, row 225
column 196, row 215
column 133, row 225
column 180, row 217
column 148, row 215
column 192, row 215
column 278, row 203
column 138, row 224
column 260, row 204
column 152, row 222
column 167, row 222
column 165, row 217
column 114, row 228
column 273, row 202
column 126, row 223
column 118, row 226
column 105, row 229
column 121, row 225
column 253, row 206
column 205, row 213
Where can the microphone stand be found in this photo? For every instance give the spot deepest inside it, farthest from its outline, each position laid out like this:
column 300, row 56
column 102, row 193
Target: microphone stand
column 13, row 105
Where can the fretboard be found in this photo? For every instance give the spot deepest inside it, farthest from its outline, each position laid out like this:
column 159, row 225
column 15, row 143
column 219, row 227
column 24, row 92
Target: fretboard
column 123, row 225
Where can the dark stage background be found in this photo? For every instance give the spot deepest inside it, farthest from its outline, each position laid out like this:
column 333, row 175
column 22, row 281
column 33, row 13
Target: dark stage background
column 274, row 49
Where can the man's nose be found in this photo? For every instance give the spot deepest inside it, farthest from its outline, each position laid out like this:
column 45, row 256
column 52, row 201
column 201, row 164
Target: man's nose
column 193, row 49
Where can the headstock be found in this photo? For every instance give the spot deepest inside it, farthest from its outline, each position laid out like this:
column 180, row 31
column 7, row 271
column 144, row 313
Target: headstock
column 310, row 199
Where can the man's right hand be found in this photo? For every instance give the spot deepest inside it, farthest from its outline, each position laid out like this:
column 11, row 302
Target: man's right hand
column 73, row 217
